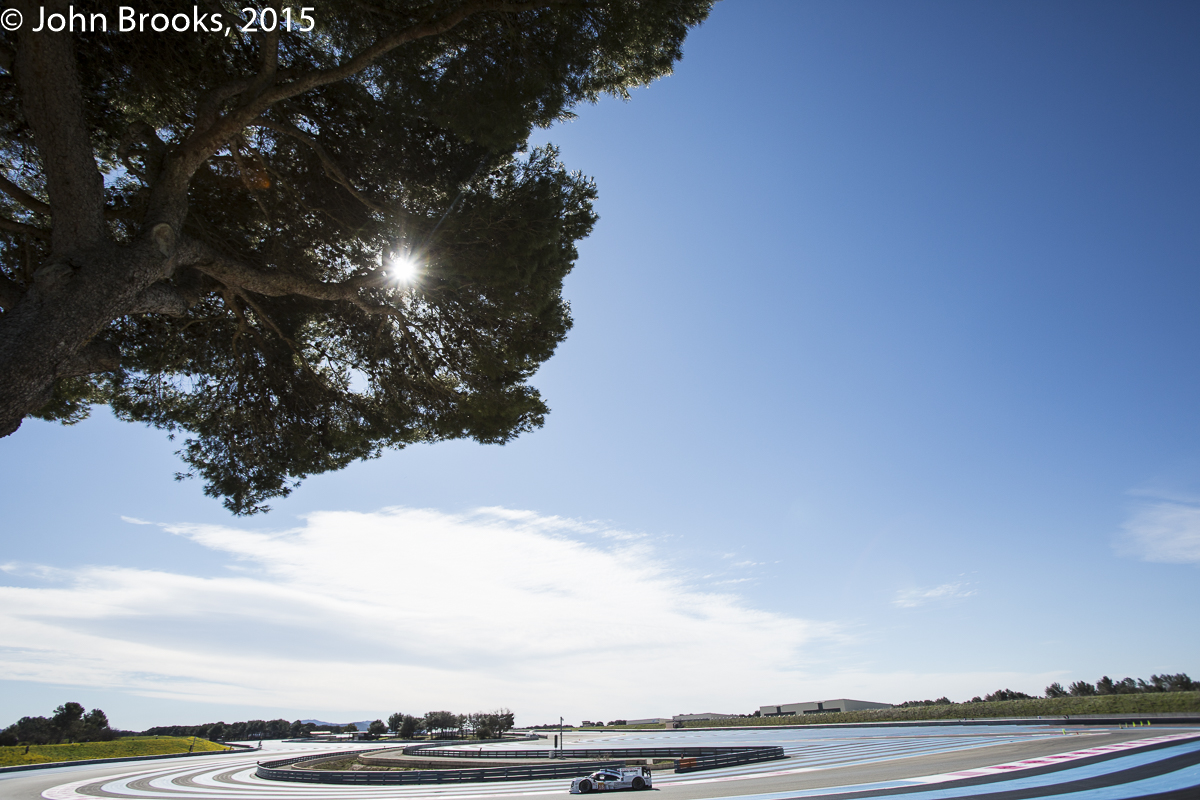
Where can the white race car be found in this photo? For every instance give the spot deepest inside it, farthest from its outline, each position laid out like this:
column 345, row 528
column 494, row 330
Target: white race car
column 606, row 780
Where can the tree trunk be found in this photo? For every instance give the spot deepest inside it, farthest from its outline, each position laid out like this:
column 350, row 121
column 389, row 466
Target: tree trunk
column 87, row 281
column 49, row 334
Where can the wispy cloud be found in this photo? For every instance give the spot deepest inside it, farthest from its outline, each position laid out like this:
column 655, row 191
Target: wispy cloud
column 1165, row 531
column 911, row 598
column 409, row 609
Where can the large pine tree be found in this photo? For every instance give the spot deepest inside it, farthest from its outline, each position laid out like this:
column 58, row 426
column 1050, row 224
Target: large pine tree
column 299, row 247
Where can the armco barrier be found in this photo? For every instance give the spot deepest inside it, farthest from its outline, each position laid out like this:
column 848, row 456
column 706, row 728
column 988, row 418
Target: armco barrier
column 606, row 752
column 697, row 757
column 271, row 770
column 747, row 755
column 1156, row 718
column 689, row 759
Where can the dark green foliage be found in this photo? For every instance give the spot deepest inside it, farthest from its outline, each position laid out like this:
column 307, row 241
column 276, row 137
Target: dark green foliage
column 443, row 723
column 33, row 730
column 404, row 725
column 68, row 724
column 410, row 726
column 1157, row 683
column 68, row 721
column 941, row 701
column 1081, row 689
column 1006, row 694
column 233, row 732
column 422, row 154
column 1169, row 683
column 1055, row 690
column 490, row 725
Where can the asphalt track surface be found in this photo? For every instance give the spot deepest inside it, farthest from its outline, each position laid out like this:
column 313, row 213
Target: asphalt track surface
column 1001, row 762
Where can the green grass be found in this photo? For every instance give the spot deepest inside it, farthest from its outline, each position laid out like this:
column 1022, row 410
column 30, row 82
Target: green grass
column 119, row 748
column 1150, row 703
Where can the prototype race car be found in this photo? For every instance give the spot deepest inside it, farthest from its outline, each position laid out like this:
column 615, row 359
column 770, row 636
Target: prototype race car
column 606, row 780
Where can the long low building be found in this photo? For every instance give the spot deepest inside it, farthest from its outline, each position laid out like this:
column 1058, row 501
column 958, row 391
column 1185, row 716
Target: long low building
column 704, row 717
column 820, row 707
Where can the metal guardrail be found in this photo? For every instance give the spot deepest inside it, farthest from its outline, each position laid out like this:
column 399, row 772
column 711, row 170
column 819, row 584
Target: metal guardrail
column 688, row 759
column 1156, row 718
column 516, row 772
column 748, row 755
column 753, row 753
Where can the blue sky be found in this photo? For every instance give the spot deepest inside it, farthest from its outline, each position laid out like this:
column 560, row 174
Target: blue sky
column 883, row 384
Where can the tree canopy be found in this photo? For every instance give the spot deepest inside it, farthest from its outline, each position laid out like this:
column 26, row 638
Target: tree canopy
column 299, row 247
column 69, row 723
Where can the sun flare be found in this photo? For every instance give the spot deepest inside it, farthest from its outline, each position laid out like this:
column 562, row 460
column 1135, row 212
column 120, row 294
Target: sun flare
column 402, row 269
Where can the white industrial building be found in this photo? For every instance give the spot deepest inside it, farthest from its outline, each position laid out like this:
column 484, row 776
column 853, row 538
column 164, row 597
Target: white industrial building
column 821, row 707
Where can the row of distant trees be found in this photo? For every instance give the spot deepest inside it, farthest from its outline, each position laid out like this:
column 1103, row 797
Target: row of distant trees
column 446, row 724
column 438, row 724
column 1104, row 686
column 236, row 731
column 69, row 723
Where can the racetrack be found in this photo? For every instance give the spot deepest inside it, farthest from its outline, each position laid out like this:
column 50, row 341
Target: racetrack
column 1002, row 762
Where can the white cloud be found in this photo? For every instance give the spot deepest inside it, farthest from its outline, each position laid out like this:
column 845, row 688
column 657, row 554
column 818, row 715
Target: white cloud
column 411, row 610
column 1165, row 531
column 910, row 598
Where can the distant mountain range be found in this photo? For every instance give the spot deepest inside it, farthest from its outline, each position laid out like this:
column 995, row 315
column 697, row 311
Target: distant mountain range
column 320, row 723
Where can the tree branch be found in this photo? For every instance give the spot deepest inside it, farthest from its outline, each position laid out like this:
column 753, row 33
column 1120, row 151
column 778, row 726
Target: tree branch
column 234, row 273
column 10, row 292
column 92, row 358
column 21, row 227
column 202, row 146
column 210, row 107
column 386, row 44
column 52, row 100
column 23, row 197
column 381, row 11
column 331, row 169
column 33, row 204
column 269, row 59
column 161, row 298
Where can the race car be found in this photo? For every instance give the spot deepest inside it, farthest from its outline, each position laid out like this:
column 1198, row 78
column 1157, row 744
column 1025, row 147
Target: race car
column 605, row 780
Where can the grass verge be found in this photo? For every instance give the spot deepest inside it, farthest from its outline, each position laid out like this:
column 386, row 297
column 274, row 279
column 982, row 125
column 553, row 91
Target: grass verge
column 118, row 748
